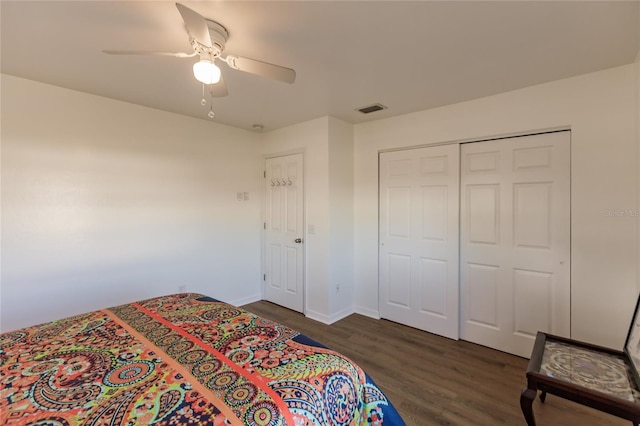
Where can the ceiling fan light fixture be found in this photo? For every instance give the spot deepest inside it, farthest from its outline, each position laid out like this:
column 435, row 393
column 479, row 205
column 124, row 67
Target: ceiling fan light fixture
column 206, row 71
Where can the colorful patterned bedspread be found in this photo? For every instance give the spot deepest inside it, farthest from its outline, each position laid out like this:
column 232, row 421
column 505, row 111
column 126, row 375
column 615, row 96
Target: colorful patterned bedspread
column 180, row 360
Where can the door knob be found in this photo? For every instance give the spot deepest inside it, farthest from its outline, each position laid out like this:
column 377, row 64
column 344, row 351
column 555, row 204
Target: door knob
column 298, row 240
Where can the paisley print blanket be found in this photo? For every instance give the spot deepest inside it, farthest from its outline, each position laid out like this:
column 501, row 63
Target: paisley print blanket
column 184, row 359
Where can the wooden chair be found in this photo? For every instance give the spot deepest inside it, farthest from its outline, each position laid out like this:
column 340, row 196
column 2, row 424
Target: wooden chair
column 595, row 376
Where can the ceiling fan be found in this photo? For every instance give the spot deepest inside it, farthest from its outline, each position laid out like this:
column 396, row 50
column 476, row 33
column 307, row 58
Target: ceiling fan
column 208, row 38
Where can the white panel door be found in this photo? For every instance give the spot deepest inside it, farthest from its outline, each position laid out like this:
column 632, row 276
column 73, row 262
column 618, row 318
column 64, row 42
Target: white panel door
column 515, row 240
column 284, row 245
column 418, row 251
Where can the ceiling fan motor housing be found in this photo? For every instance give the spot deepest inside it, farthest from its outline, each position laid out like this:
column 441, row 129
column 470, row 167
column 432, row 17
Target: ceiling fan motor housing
column 219, row 36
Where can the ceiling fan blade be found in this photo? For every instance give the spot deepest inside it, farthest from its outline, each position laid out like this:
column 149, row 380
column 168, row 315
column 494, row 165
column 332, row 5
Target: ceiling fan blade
column 219, row 89
column 149, row 53
column 196, row 25
column 263, row 69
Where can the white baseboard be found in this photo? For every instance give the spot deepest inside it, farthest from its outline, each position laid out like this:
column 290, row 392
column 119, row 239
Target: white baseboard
column 316, row 316
column 341, row 314
column 328, row 319
column 246, row 300
column 367, row 312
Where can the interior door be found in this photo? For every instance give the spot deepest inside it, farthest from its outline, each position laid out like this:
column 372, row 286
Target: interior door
column 515, row 240
column 418, row 254
column 284, row 245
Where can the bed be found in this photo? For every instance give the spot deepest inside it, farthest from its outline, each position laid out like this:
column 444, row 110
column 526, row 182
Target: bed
column 183, row 359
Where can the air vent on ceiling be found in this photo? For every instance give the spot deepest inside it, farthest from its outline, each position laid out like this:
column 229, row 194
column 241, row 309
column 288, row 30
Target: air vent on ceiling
column 372, row 108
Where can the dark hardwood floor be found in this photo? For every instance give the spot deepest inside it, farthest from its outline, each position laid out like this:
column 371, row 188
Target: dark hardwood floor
column 433, row 380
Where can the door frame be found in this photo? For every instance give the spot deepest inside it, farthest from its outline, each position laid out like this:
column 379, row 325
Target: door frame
column 263, row 219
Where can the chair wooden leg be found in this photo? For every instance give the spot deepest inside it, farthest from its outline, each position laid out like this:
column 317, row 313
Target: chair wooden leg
column 543, row 396
column 526, row 404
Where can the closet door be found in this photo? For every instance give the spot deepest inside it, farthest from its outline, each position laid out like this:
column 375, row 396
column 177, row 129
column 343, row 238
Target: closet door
column 418, row 253
column 515, row 240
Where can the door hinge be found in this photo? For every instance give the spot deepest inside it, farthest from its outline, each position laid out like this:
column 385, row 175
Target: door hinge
column 264, row 225
column 264, row 277
column 265, row 174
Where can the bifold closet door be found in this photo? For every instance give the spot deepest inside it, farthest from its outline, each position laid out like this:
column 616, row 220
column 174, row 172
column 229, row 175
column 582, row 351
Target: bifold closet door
column 418, row 253
column 515, row 240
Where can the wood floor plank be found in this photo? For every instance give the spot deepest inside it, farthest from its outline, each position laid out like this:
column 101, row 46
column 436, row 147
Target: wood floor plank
column 432, row 380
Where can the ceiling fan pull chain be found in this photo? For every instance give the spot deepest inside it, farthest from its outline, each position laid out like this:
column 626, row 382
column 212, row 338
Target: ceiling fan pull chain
column 203, row 102
column 211, row 114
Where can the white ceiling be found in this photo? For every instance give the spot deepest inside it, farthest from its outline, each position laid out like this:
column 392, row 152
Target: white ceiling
column 407, row 55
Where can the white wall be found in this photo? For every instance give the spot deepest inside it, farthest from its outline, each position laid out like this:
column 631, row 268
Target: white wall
column 327, row 144
column 340, row 219
column 105, row 202
column 311, row 138
column 599, row 108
